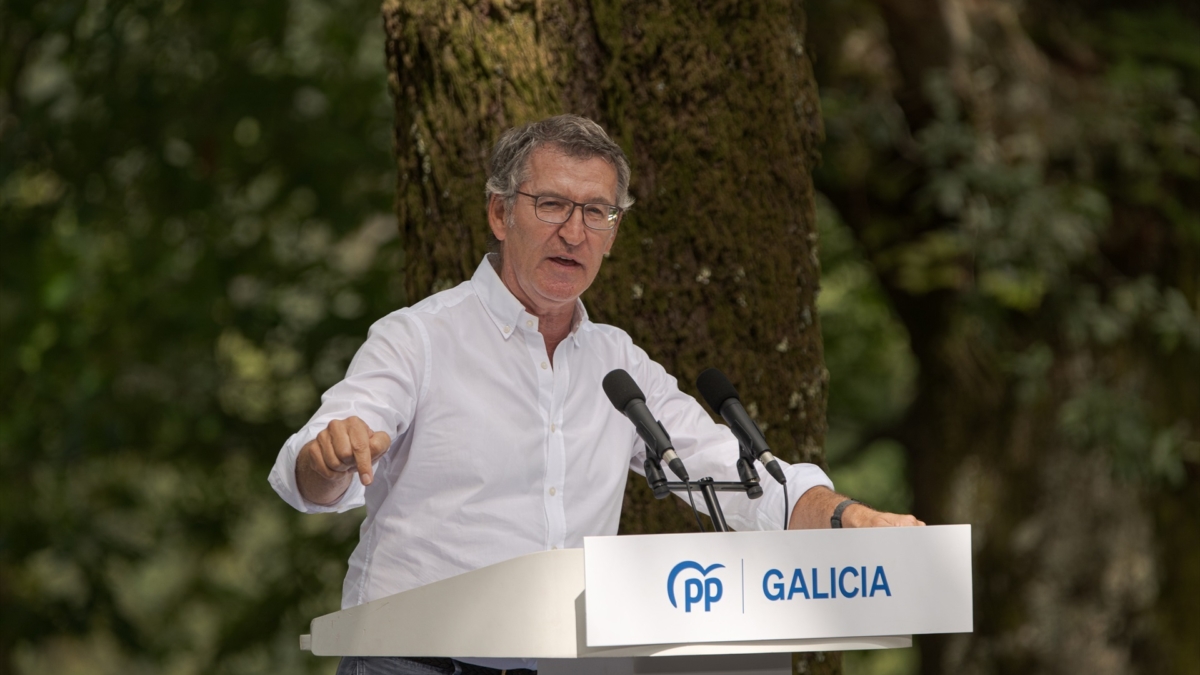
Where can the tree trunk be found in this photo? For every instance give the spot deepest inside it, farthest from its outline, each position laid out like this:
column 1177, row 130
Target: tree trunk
column 718, row 110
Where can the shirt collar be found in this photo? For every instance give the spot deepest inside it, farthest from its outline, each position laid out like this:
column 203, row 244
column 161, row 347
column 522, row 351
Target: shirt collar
column 503, row 307
column 581, row 319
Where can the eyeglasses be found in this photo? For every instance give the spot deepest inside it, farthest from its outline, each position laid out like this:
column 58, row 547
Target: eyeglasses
column 558, row 210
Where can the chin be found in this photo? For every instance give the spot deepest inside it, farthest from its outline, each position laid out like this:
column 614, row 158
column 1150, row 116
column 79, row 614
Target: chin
column 564, row 283
column 561, row 292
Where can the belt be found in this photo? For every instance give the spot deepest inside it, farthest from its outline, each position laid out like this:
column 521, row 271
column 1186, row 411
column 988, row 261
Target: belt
column 448, row 665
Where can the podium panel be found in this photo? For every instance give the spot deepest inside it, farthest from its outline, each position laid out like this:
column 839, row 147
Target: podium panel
column 544, row 616
column 536, row 606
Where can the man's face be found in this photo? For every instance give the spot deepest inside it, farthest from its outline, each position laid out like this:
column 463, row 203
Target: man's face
column 548, row 266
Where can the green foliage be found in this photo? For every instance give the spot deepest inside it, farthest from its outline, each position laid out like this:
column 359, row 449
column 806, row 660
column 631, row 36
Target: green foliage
column 1024, row 215
column 195, row 216
column 195, row 203
column 872, row 372
column 1060, row 215
column 881, row 662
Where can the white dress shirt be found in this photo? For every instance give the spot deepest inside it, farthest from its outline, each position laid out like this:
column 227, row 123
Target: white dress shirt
column 495, row 452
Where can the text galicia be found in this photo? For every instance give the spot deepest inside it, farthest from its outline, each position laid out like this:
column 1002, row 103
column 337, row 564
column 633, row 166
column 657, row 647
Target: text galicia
column 848, row 582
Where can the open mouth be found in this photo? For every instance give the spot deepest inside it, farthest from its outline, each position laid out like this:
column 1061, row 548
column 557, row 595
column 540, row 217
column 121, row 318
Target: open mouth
column 565, row 262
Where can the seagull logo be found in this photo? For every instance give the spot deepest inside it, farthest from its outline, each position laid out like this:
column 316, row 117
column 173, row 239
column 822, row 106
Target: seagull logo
column 708, row 589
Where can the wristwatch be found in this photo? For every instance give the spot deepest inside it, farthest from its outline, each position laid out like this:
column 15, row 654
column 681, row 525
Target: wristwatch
column 835, row 521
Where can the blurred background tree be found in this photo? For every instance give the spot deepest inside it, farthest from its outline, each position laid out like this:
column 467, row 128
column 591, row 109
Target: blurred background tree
column 195, row 203
column 197, row 231
column 1012, row 277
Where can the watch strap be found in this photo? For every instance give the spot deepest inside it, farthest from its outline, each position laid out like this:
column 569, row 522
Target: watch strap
column 835, row 521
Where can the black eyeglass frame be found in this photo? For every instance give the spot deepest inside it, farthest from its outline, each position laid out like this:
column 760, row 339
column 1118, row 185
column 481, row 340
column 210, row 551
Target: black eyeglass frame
column 614, row 213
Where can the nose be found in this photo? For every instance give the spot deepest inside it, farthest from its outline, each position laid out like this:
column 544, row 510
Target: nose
column 573, row 231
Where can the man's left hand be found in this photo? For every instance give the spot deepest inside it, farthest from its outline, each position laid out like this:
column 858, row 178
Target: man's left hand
column 859, row 515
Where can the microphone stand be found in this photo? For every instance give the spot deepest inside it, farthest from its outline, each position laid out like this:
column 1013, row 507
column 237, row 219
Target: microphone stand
column 709, row 488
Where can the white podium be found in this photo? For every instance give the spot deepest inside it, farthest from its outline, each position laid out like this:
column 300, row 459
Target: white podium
column 677, row 595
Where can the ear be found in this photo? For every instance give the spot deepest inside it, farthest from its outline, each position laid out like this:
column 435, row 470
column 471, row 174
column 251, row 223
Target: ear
column 495, row 213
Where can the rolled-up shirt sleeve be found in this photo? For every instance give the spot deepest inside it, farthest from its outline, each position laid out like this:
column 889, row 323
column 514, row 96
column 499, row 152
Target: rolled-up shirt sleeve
column 709, row 449
column 382, row 386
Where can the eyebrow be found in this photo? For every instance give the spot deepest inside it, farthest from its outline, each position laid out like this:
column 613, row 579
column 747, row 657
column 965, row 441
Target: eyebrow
column 589, row 200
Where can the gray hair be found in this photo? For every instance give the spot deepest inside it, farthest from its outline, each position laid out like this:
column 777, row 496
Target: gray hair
column 573, row 135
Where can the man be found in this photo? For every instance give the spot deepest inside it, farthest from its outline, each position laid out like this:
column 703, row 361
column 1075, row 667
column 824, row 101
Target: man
column 473, row 424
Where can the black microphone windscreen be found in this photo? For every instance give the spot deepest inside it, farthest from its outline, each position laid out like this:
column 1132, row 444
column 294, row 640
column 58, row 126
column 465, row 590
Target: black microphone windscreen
column 715, row 388
column 621, row 389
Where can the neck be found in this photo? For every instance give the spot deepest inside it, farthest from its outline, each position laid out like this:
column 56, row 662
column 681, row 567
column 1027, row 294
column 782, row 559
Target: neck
column 554, row 319
column 554, row 329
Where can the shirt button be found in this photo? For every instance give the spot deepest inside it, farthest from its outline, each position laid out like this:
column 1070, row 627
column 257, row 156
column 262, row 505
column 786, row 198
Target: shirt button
column 507, row 329
column 529, row 324
column 552, row 492
column 553, row 428
column 545, row 365
column 553, row 548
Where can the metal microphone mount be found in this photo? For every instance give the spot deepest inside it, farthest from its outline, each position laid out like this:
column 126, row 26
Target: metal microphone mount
column 709, row 488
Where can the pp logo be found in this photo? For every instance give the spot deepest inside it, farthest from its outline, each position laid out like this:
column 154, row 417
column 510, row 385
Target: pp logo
column 706, row 588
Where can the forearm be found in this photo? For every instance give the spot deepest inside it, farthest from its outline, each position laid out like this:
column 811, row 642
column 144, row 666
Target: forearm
column 815, row 508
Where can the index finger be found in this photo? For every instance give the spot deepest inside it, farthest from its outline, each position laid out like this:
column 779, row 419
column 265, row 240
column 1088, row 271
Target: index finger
column 360, row 443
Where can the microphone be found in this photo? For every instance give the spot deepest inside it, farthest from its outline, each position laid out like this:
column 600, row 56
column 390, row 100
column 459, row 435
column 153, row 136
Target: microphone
column 720, row 395
column 628, row 398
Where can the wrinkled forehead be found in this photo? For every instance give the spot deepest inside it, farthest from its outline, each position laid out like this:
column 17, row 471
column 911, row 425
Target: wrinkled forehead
column 551, row 167
column 557, row 151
